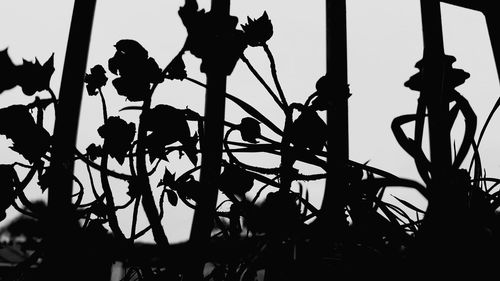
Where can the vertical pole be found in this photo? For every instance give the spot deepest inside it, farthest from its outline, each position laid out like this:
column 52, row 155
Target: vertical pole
column 493, row 24
column 436, row 242
column 211, row 148
column 437, row 103
column 61, row 253
column 337, row 120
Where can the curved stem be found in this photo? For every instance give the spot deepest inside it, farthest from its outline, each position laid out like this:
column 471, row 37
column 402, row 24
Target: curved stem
column 21, row 185
column 483, row 129
column 134, row 217
column 275, row 74
column 52, row 96
column 104, row 107
column 111, row 173
column 92, row 185
column 245, row 166
column 262, row 81
column 108, row 194
column 246, row 107
column 148, row 202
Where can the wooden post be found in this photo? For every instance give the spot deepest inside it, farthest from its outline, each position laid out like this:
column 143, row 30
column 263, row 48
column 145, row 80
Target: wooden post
column 211, row 147
column 61, row 255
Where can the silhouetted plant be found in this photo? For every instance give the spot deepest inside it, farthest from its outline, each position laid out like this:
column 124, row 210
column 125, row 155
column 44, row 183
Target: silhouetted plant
column 272, row 234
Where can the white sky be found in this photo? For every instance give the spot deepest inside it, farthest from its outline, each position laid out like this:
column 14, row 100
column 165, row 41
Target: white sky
column 384, row 43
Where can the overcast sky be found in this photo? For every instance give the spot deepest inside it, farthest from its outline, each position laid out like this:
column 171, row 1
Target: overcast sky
column 384, row 43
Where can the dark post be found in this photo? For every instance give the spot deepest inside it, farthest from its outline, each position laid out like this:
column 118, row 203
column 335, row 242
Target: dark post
column 437, row 102
column 337, row 121
column 61, row 256
column 436, row 242
column 211, row 146
column 493, row 23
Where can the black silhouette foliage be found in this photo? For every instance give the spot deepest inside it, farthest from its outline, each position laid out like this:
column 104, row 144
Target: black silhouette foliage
column 325, row 94
column 249, row 129
column 168, row 179
column 168, row 125
column 176, row 69
column 135, row 186
column 137, row 71
column 9, row 72
column 258, row 31
column 308, row 130
column 8, row 178
column 278, row 215
column 118, row 136
column 94, row 151
column 29, row 139
column 189, row 188
column 34, row 77
column 235, row 180
column 96, row 79
column 172, row 197
column 213, row 39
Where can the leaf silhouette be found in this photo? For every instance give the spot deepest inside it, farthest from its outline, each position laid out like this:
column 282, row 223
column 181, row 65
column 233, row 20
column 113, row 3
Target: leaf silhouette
column 8, row 178
column 118, row 136
column 168, row 178
column 137, row 72
column 34, row 77
column 308, row 130
column 29, row 139
column 176, row 69
column 190, row 188
column 9, row 72
column 172, row 197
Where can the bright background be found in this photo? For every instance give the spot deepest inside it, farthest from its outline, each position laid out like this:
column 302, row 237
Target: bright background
column 384, row 43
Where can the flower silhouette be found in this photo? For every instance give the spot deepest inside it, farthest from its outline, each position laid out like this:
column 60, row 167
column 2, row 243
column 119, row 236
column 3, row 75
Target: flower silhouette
column 34, row 77
column 325, row 94
column 137, row 71
column 308, row 131
column 213, row 39
column 168, row 125
column 94, row 151
column 118, row 136
column 96, row 79
column 258, row 31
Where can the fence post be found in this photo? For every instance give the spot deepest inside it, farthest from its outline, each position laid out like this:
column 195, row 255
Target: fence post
column 61, row 252
column 211, row 147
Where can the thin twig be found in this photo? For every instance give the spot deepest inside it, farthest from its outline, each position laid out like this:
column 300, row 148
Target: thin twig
column 275, row 74
column 262, row 81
